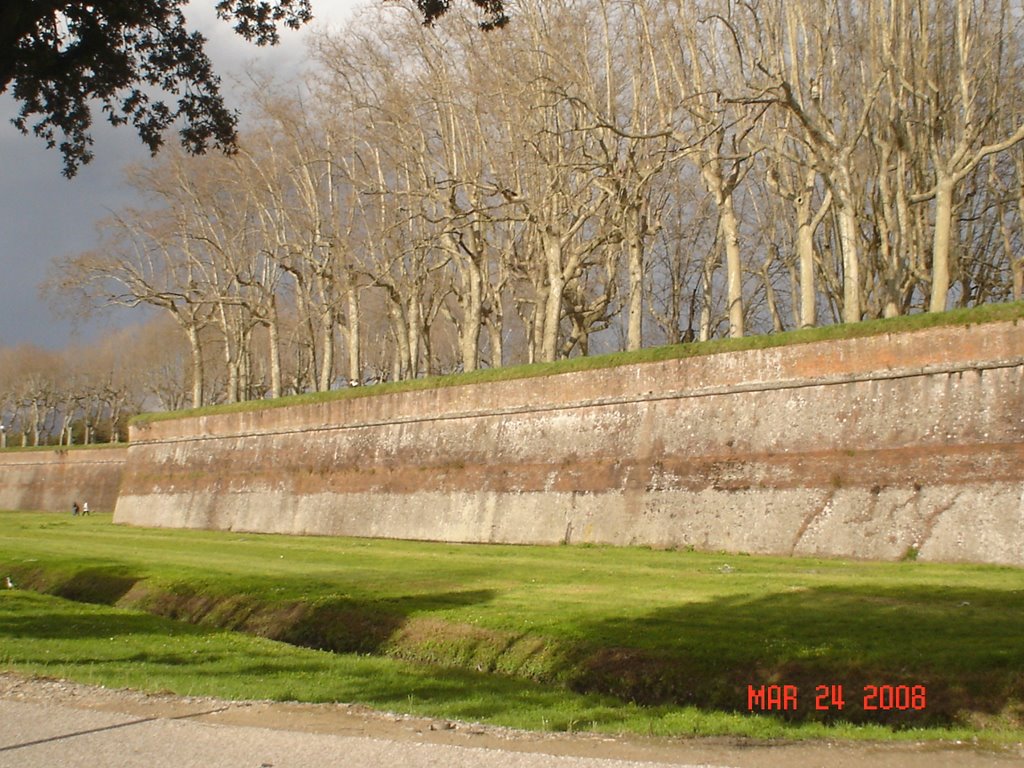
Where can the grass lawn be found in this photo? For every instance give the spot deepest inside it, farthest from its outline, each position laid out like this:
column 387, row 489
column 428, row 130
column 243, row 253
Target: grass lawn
column 595, row 638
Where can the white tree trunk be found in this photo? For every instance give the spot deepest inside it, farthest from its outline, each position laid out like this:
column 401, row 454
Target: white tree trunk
column 326, row 351
column 805, row 253
column 355, row 366
column 472, row 310
column 635, row 255
column 941, row 242
column 274, row 334
column 198, row 371
column 848, row 241
column 553, row 306
column 734, row 269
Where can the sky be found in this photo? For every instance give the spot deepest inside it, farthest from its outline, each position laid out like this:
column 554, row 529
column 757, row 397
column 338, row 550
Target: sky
column 44, row 216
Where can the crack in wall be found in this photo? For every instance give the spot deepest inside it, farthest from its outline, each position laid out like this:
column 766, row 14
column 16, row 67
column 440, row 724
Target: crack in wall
column 809, row 519
column 933, row 519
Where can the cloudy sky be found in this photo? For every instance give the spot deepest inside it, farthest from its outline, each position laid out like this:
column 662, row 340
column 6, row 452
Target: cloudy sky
column 44, row 216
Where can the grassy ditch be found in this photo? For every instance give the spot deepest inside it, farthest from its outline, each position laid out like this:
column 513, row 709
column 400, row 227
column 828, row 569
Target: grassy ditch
column 560, row 637
column 985, row 313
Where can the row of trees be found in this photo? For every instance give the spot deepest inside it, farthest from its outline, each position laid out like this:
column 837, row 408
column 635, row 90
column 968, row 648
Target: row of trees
column 597, row 175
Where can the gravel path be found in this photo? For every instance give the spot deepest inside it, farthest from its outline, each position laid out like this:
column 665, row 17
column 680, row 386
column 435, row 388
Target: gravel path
column 46, row 723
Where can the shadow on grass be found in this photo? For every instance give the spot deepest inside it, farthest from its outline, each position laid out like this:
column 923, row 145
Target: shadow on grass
column 121, row 649
column 346, row 625
column 100, row 584
column 964, row 646
column 340, row 624
column 103, row 586
column 62, row 625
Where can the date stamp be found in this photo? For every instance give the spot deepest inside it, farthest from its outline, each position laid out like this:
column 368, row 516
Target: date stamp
column 833, row 698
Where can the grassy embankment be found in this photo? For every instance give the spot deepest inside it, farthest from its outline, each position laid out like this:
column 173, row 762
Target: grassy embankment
column 626, row 640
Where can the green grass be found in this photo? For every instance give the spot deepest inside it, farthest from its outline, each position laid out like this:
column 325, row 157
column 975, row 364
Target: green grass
column 591, row 638
column 986, row 313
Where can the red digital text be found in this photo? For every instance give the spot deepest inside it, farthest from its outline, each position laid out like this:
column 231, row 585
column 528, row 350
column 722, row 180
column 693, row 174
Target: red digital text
column 833, row 698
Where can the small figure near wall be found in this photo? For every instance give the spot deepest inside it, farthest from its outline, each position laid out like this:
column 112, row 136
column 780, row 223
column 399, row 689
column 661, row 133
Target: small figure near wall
column 74, row 509
column 85, row 508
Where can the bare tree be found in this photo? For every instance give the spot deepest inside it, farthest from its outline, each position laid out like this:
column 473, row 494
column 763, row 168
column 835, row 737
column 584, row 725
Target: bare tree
column 967, row 60
column 140, row 263
column 813, row 66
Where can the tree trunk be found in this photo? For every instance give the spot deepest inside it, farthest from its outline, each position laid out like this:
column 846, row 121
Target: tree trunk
column 274, row 339
column 728, row 231
column 888, row 231
column 307, row 339
column 35, row 424
column 231, row 362
column 553, row 306
column 495, row 326
column 805, row 252
column 355, row 366
column 635, row 255
column 707, row 295
column 1017, row 265
column 198, row 371
column 413, row 317
column 769, row 293
column 847, row 215
column 734, row 270
column 941, row 242
column 472, row 309
column 536, row 324
column 401, row 330
column 326, row 350
column 245, row 387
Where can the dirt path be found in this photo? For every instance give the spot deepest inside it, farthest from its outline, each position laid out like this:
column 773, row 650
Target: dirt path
column 357, row 722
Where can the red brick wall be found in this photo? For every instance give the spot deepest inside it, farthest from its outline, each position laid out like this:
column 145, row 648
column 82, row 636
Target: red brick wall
column 50, row 481
column 865, row 447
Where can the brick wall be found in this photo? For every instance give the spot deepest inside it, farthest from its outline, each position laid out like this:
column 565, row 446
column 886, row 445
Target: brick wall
column 50, row 481
column 861, row 448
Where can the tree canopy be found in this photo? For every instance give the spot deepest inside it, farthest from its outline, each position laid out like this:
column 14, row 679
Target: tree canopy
column 600, row 176
column 141, row 62
column 494, row 11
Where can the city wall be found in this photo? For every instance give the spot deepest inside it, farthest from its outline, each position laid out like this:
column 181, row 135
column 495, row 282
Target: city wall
column 881, row 447
column 50, row 481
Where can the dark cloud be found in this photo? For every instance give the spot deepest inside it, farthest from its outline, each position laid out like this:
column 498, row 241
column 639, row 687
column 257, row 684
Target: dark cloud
column 44, row 216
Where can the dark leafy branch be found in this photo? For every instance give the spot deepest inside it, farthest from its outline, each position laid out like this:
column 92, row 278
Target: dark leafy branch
column 493, row 10
column 141, row 63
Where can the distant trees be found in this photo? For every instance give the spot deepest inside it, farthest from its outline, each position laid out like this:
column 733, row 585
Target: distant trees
column 595, row 176
column 85, row 393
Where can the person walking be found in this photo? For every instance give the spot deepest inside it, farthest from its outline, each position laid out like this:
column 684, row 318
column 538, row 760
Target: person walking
column 74, row 509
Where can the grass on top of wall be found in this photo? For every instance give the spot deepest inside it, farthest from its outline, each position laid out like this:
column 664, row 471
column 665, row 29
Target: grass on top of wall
column 570, row 637
column 986, row 313
column 59, row 448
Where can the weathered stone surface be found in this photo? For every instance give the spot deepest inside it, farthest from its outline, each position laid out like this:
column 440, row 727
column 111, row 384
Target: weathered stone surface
column 862, row 448
column 50, row 481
